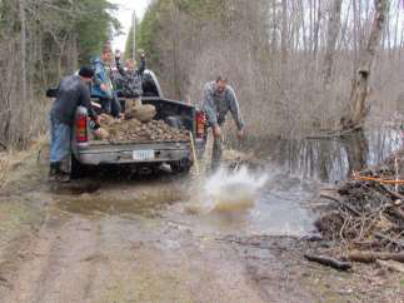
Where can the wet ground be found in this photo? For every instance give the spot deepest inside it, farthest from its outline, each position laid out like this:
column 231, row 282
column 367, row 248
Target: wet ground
column 157, row 239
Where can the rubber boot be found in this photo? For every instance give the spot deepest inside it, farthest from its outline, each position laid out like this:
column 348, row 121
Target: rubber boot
column 62, row 176
column 53, row 171
column 216, row 154
column 57, row 174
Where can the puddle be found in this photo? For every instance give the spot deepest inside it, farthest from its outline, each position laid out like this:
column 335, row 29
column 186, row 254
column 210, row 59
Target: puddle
column 125, row 200
column 247, row 203
column 243, row 202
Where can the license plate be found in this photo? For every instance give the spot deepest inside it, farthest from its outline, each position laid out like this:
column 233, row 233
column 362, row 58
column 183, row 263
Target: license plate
column 143, row 155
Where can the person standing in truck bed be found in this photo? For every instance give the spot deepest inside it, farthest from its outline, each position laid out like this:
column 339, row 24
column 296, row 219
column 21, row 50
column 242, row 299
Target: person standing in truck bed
column 73, row 91
column 130, row 80
column 218, row 99
column 103, row 88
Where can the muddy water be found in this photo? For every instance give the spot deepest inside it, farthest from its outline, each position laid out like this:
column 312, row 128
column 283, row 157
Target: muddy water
column 241, row 202
column 277, row 207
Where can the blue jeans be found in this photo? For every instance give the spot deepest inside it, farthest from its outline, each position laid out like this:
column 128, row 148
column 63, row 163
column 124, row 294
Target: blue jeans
column 60, row 140
column 111, row 106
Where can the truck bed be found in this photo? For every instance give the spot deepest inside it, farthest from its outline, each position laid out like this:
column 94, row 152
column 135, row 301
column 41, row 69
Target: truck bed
column 142, row 150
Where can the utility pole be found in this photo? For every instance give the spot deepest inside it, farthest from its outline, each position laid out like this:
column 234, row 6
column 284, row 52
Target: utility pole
column 134, row 34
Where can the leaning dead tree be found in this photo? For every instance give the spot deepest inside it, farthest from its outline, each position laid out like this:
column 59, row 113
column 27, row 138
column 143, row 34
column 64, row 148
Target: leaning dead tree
column 358, row 108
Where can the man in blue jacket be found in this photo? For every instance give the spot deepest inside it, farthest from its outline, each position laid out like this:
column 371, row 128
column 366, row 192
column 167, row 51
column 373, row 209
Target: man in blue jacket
column 103, row 88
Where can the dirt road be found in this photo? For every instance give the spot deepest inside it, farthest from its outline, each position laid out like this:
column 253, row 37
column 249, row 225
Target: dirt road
column 118, row 241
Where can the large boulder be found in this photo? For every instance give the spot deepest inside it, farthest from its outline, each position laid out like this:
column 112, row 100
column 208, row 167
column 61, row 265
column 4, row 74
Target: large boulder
column 136, row 110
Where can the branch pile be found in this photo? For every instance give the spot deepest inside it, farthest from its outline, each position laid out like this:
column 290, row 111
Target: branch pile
column 367, row 214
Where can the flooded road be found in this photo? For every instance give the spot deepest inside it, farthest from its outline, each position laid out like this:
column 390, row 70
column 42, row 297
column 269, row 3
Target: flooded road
column 139, row 241
column 166, row 239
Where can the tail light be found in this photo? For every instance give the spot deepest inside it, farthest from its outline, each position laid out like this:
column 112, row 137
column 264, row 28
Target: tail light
column 81, row 128
column 200, row 124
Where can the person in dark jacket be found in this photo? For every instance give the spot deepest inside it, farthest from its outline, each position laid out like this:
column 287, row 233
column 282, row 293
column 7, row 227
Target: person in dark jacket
column 73, row 91
column 130, row 79
column 218, row 99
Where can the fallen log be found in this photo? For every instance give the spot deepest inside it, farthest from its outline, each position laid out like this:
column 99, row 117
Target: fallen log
column 387, row 238
column 329, row 261
column 371, row 257
column 392, row 265
column 393, row 194
column 398, row 213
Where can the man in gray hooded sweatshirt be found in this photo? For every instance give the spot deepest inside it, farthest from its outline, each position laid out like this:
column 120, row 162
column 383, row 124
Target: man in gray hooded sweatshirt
column 218, row 99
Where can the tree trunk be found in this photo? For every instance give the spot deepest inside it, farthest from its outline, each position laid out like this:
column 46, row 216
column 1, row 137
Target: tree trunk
column 23, row 41
column 334, row 25
column 360, row 84
column 317, row 29
column 274, row 42
column 284, row 35
column 357, row 150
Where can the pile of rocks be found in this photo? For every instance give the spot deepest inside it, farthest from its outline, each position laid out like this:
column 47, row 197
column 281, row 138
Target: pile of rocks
column 134, row 130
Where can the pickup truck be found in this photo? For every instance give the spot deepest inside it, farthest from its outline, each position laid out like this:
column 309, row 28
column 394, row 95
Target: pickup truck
column 141, row 156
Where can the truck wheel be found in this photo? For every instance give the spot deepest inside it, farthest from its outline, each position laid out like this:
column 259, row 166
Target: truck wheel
column 181, row 167
column 77, row 170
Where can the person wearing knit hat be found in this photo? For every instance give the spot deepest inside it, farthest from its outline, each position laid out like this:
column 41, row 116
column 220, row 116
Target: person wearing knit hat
column 73, row 91
column 86, row 72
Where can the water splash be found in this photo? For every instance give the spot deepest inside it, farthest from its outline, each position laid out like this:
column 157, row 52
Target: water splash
column 231, row 190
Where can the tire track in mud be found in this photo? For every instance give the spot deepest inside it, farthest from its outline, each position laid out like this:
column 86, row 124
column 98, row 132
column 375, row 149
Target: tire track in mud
column 51, row 271
column 77, row 259
column 105, row 247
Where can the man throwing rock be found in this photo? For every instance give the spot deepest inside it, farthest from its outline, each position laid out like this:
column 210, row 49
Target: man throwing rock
column 218, row 99
column 73, row 91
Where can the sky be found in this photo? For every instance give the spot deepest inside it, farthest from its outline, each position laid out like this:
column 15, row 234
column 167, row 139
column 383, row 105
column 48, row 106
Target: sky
column 124, row 15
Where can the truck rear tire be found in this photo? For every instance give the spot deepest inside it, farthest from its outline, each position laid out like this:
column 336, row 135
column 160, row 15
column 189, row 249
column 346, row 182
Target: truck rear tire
column 77, row 170
column 181, row 167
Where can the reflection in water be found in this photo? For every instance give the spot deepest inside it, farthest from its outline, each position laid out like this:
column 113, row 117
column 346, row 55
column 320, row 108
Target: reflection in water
column 331, row 159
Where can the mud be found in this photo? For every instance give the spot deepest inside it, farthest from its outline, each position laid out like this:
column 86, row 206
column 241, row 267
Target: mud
column 134, row 241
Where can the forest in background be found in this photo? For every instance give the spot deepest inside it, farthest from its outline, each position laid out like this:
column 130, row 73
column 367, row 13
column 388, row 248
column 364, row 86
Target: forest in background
column 292, row 63
column 41, row 41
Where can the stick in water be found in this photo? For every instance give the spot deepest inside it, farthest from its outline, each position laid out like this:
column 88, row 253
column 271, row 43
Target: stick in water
column 195, row 158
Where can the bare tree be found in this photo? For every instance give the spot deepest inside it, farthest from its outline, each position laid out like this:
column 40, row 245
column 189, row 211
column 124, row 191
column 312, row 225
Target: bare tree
column 272, row 51
column 360, row 86
column 284, row 37
column 334, row 24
